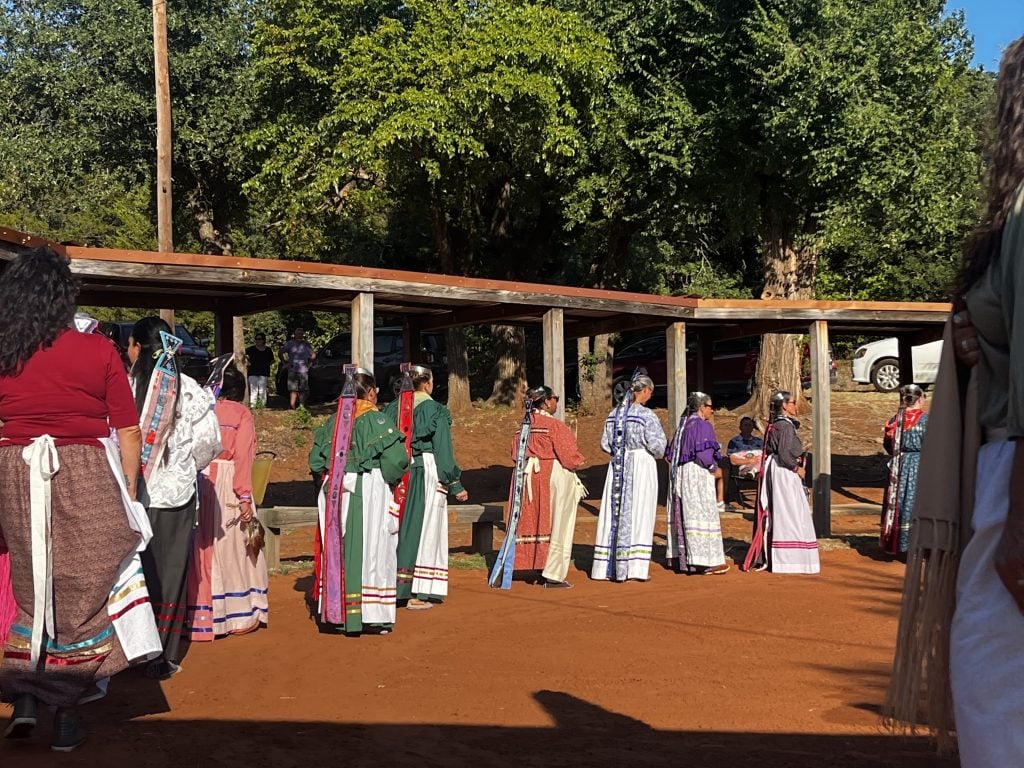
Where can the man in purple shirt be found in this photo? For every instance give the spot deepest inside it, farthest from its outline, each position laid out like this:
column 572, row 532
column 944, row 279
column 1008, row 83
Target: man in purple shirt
column 296, row 356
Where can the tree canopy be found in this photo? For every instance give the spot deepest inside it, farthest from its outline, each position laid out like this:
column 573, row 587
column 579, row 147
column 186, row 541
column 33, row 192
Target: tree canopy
column 828, row 148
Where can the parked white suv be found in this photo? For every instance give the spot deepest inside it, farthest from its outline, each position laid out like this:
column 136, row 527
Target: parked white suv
column 878, row 363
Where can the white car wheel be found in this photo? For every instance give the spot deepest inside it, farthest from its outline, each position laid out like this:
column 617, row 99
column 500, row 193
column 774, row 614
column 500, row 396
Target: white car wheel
column 886, row 375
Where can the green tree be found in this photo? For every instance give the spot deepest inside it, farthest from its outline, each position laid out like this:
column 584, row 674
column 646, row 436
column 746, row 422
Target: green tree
column 77, row 152
column 843, row 133
column 472, row 119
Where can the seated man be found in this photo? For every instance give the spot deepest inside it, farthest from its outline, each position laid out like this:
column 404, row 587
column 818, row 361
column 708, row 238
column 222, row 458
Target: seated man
column 744, row 450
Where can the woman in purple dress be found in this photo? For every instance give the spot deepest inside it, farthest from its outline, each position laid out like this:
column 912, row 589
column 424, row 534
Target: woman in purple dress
column 694, row 528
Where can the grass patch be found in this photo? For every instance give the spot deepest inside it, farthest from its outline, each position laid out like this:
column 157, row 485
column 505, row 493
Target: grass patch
column 465, row 562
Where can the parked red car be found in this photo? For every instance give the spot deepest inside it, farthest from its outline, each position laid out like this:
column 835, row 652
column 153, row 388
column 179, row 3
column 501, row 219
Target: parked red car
column 733, row 364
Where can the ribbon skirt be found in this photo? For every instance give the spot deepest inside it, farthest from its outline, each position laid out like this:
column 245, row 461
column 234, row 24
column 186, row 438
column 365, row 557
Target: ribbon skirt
column 88, row 538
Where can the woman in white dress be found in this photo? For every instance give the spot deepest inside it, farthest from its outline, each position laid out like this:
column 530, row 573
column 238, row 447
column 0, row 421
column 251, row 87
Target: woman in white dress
column 625, row 527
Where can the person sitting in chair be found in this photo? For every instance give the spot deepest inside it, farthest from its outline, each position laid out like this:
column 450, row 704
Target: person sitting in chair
column 744, row 450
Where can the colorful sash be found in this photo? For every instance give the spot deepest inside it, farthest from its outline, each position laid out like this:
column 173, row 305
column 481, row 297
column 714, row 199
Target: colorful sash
column 406, row 398
column 890, row 511
column 158, row 410
column 505, row 563
column 618, row 469
column 333, row 607
column 215, row 381
column 762, row 523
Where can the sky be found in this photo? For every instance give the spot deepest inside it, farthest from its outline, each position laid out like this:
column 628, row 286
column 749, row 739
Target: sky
column 994, row 24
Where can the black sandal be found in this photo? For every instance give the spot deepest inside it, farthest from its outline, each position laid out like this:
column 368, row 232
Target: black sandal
column 23, row 719
column 67, row 735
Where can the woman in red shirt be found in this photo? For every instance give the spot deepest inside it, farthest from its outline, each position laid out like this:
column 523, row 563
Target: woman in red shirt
column 60, row 394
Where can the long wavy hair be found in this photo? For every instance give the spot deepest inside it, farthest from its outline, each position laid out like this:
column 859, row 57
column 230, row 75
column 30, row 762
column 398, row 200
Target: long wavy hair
column 38, row 295
column 146, row 333
column 1006, row 168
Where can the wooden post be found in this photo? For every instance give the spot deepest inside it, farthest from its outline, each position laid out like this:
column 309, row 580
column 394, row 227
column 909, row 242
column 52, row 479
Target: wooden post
column 821, row 394
column 164, row 213
column 906, row 359
column 705, row 354
column 362, row 330
column 223, row 332
column 410, row 340
column 675, row 367
column 554, row 355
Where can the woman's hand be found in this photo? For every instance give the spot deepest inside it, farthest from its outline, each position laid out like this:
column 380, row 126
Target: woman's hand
column 462, row 495
column 965, row 338
column 245, row 511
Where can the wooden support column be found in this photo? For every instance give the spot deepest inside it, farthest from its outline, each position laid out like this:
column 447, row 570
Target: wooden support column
column 554, row 355
column 821, row 465
column 362, row 331
column 223, row 332
column 906, row 359
column 675, row 367
column 705, row 353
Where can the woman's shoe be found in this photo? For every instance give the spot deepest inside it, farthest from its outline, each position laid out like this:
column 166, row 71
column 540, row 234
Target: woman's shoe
column 67, row 734
column 23, row 719
column 549, row 584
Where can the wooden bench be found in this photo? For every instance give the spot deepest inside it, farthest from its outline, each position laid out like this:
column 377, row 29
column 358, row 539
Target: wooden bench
column 483, row 518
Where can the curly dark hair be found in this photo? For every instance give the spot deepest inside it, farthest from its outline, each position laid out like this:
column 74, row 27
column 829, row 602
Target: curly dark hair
column 1006, row 172
column 38, row 295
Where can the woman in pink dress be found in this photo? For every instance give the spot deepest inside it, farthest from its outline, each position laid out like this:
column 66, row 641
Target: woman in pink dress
column 227, row 585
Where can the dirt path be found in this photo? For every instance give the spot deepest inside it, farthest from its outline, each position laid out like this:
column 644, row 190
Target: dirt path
column 739, row 671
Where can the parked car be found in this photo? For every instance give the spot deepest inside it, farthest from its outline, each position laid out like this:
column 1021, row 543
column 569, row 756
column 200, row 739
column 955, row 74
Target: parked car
column 325, row 376
column 878, row 363
column 733, row 365
column 193, row 357
column 729, row 365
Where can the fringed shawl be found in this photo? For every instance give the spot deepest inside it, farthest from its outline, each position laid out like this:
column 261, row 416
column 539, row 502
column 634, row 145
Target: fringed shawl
column 919, row 690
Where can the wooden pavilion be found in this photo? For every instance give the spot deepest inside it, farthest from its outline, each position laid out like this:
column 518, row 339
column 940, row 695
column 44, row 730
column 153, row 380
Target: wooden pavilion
column 233, row 287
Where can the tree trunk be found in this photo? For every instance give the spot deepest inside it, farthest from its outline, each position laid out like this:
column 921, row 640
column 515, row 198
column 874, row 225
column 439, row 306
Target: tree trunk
column 789, row 274
column 595, row 373
column 458, row 372
column 509, row 366
column 458, row 360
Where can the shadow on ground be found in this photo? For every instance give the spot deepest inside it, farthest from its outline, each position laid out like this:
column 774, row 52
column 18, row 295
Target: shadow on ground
column 581, row 734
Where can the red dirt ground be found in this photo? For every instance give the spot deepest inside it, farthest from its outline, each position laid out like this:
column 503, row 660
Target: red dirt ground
column 737, row 671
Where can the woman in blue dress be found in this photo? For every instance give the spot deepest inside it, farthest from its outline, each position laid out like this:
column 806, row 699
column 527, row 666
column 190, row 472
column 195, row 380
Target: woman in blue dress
column 904, row 435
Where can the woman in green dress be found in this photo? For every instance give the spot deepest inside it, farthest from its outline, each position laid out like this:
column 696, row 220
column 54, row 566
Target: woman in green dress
column 423, row 538
column 376, row 461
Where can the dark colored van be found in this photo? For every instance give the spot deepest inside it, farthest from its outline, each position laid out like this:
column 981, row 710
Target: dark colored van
column 325, row 377
column 193, row 357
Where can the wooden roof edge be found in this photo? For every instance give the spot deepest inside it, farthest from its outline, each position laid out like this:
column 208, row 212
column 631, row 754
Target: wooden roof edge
column 367, row 273
column 849, row 306
column 27, row 240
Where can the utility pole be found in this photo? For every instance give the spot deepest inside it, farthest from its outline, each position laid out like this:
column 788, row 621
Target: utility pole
column 164, row 218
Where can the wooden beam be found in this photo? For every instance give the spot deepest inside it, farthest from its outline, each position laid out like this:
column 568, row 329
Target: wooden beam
column 97, row 298
column 821, row 446
column 614, row 324
column 755, row 328
column 362, row 330
column 531, row 300
column 675, row 366
column 554, row 355
column 286, row 298
column 497, row 313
